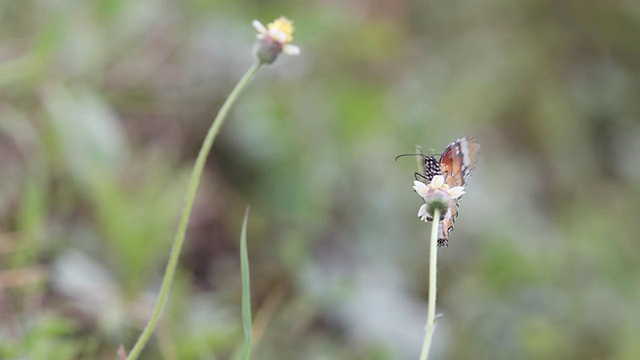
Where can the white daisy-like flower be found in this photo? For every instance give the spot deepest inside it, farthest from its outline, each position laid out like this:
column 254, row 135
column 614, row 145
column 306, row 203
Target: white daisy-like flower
column 275, row 38
column 437, row 184
column 436, row 195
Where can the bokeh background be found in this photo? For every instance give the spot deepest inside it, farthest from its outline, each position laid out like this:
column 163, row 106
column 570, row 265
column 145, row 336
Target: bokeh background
column 104, row 105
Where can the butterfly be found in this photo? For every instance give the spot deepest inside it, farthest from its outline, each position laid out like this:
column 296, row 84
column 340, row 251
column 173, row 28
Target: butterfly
column 456, row 163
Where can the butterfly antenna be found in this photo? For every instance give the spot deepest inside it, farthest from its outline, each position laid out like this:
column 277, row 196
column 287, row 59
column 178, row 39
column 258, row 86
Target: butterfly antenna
column 401, row 155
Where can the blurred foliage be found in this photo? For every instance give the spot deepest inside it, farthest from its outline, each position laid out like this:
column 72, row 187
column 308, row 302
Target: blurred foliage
column 104, row 105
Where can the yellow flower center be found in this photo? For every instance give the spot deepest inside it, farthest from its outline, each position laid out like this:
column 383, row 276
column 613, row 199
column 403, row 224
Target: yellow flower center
column 284, row 26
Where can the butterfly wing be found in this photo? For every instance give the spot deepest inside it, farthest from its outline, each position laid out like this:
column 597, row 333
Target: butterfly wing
column 456, row 163
column 459, row 160
column 446, row 225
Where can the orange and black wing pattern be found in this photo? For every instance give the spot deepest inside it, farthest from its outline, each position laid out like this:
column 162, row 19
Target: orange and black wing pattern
column 456, row 164
column 458, row 161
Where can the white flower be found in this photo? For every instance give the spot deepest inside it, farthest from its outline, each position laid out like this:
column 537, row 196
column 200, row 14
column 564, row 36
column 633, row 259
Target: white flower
column 275, row 38
column 436, row 195
column 437, row 184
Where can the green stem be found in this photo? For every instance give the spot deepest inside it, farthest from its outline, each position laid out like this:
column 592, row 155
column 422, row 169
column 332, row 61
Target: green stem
column 246, row 289
column 194, row 181
column 431, row 306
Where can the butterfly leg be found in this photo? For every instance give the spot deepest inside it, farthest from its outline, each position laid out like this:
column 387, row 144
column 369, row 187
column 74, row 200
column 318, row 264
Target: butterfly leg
column 421, row 178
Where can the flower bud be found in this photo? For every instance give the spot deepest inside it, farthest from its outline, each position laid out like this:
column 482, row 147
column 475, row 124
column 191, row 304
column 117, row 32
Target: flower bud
column 274, row 39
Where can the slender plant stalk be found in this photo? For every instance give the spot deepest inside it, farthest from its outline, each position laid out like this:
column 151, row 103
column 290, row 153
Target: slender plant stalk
column 431, row 306
column 194, row 181
column 246, row 289
column 419, row 159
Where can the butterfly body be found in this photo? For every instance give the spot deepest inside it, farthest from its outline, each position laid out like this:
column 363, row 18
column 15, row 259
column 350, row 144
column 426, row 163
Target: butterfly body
column 456, row 164
column 431, row 167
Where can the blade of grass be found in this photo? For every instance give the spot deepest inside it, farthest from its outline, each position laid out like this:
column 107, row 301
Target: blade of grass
column 246, row 289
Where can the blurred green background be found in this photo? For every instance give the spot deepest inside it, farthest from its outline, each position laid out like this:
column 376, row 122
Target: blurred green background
column 104, row 105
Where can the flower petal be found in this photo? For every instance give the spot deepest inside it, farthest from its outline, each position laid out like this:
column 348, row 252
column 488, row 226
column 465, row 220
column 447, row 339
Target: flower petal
column 278, row 36
column 456, row 192
column 291, row 50
column 422, row 212
column 437, row 182
column 259, row 27
column 420, row 188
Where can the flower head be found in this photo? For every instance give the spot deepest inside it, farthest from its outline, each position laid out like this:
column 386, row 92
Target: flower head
column 436, row 195
column 437, row 184
column 274, row 39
